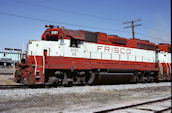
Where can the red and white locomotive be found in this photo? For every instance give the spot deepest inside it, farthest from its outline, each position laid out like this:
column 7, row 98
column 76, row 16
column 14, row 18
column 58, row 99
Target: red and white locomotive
column 66, row 57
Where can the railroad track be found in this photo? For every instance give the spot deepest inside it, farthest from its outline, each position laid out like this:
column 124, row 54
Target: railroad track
column 20, row 86
column 140, row 106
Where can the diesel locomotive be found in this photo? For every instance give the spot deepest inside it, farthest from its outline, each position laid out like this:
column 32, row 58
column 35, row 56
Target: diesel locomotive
column 68, row 57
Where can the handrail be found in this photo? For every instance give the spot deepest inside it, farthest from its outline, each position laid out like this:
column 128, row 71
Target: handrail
column 43, row 64
column 136, row 57
column 35, row 64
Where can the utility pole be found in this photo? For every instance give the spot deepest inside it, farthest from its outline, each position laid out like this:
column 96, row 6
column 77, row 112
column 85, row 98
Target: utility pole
column 132, row 25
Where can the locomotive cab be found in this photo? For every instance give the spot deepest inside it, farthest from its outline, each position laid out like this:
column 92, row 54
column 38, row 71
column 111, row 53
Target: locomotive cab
column 52, row 33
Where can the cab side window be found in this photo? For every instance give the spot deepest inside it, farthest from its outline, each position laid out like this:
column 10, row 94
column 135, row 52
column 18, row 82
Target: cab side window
column 75, row 42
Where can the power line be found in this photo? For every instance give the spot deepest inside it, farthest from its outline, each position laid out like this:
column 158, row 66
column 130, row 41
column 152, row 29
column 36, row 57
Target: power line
column 156, row 29
column 81, row 13
column 70, row 11
column 46, row 20
column 59, row 22
column 152, row 37
column 132, row 25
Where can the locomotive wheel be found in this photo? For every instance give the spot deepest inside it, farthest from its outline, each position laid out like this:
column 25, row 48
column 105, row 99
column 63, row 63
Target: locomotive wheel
column 150, row 79
column 146, row 77
column 68, row 82
column 91, row 79
column 53, row 81
column 135, row 79
column 80, row 81
column 83, row 81
column 141, row 79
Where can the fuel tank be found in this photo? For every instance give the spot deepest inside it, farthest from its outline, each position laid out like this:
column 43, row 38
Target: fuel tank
column 113, row 78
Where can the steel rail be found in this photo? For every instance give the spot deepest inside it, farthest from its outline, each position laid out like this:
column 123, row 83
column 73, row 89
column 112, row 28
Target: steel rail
column 135, row 105
column 3, row 87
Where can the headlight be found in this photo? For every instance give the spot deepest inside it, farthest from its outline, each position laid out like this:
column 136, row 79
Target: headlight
column 54, row 32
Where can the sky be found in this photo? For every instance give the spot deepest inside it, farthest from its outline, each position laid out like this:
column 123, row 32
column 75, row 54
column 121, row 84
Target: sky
column 24, row 20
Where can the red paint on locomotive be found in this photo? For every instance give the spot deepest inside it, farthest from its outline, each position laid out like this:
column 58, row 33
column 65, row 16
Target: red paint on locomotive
column 33, row 70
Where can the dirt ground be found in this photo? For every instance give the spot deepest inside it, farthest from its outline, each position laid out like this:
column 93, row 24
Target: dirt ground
column 80, row 102
column 6, row 79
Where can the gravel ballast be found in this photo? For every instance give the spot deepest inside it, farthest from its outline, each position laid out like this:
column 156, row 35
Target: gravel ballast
column 79, row 98
column 80, row 89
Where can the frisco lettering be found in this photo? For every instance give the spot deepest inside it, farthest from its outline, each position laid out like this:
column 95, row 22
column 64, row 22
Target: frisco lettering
column 114, row 49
